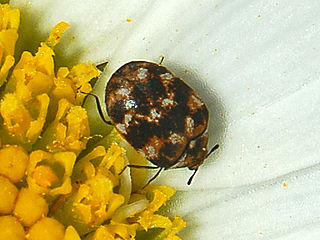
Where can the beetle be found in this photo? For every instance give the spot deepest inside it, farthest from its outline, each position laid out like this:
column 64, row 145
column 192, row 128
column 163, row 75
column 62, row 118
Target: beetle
column 159, row 115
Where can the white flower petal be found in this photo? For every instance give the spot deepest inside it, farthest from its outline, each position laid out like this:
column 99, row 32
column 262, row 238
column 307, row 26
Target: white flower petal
column 256, row 65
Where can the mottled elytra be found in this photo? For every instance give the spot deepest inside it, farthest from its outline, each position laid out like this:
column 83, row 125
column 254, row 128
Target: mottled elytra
column 159, row 115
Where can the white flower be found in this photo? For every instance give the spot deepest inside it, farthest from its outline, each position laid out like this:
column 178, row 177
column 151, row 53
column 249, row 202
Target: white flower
column 255, row 64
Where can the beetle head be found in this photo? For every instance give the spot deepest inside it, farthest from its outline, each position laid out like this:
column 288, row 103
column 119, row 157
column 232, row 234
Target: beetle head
column 196, row 153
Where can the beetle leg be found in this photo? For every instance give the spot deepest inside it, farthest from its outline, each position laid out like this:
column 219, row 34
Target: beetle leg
column 161, row 59
column 137, row 166
column 153, row 178
column 99, row 107
column 191, row 177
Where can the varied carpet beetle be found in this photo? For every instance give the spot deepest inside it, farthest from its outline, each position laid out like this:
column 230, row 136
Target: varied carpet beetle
column 159, row 115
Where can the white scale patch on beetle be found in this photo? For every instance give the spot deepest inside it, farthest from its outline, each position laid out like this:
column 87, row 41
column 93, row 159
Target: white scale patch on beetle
column 142, row 152
column 154, row 115
column 142, row 73
column 123, row 91
column 151, row 152
column 156, row 142
column 127, row 119
column 166, row 102
column 192, row 144
column 121, row 128
column 176, row 138
column 166, row 76
column 130, row 103
column 190, row 125
column 197, row 101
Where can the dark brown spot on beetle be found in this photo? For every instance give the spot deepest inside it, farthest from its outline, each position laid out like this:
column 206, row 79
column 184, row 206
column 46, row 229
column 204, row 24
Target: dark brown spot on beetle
column 117, row 111
column 169, row 149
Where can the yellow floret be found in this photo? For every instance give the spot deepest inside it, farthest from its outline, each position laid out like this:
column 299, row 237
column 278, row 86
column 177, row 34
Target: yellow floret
column 33, row 75
column 24, row 122
column 8, row 195
column 9, row 23
column 13, row 162
column 161, row 194
column 30, row 207
column 70, row 84
column 114, row 203
column 125, row 231
column 102, row 233
column 71, row 234
column 46, row 229
column 8, row 39
column 61, row 165
column 95, row 201
column 148, row 220
column 56, row 33
column 114, row 231
column 84, row 169
column 9, row 18
column 11, row 229
column 6, row 65
column 113, row 159
column 15, row 115
column 93, row 196
column 69, row 131
column 170, row 233
column 44, row 176
column 40, row 104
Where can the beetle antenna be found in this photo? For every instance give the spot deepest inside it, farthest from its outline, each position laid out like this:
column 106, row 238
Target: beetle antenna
column 153, row 178
column 98, row 106
column 191, row 177
column 137, row 166
column 161, row 59
column 215, row 147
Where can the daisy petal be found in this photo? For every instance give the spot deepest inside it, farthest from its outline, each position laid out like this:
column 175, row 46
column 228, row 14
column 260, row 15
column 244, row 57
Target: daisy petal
column 255, row 64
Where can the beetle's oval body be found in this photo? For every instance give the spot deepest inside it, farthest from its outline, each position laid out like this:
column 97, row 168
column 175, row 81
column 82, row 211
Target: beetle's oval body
column 158, row 114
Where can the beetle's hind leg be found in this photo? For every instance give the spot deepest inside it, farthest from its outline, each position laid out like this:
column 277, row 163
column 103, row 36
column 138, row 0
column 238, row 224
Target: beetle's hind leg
column 147, row 167
column 138, row 166
column 153, row 178
column 99, row 107
column 192, row 176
